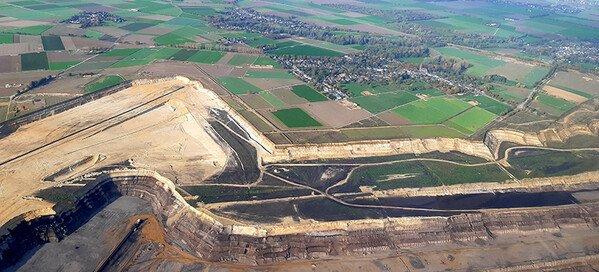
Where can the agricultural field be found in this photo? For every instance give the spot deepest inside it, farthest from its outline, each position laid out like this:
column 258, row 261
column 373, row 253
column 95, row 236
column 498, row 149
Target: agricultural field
column 308, row 93
column 469, row 24
column 34, row 61
column 238, row 85
column 296, row 118
column 301, row 49
column 432, row 111
column 103, row 83
column 483, row 64
column 248, row 66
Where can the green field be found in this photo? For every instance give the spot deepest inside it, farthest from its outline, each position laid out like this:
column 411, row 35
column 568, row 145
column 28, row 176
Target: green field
column 432, row 111
column 383, row 101
column 544, row 163
column 52, row 43
column 308, row 93
column 6, row 38
column 421, row 131
column 471, row 120
column 204, row 56
column 238, row 86
column 273, row 100
column 239, row 60
column 480, row 63
column 30, row 30
column 183, row 54
column 61, row 65
column 297, row 49
column 103, row 83
column 120, row 52
column 356, row 89
column 279, row 74
column 266, row 61
column 468, row 24
column 296, row 118
column 182, row 35
column 487, row 103
column 137, row 26
column 535, row 76
column 423, row 174
column 559, row 104
column 34, row 61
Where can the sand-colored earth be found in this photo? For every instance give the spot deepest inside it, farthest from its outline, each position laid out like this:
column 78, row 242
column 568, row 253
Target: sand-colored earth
column 557, row 92
column 159, row 125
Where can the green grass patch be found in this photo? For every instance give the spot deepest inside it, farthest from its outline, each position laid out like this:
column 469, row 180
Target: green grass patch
column 545, row 163
column 467, row 24
column 416, row 174
column 266, row 61
column 480, row 63
column 34, row 61
column 421, row 132
column 471, row 120
column 340, row 21
column 381, row 102
column 296, row 118
column 574, row 91
column 120, row 52
column 29, row 30
column 61, row 65
column 137, row 26
column 6, row 38
column 534, row 76
column 163, row 53
column 130, row 62
column 238, row 86
column 306, row 50
column 204, row 56
column 239, row 60
column 52, row 43
column 559, row 104
column 278, row 74
column 103, row 83
column 180, row 36
column 487, row 103
column 93, row 34
column 432, row 111
column 183, row 54
column 356, row 89
column 308, row 93
column 273, row 100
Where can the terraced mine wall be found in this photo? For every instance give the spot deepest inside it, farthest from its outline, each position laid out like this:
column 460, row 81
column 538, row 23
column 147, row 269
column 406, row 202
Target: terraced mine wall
column 560, row 133
column 23, row 233
column 200, row 234
column 377, row 148
column 7, row 127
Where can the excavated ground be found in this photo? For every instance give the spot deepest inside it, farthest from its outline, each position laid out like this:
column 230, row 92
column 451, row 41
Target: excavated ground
column 158, row 125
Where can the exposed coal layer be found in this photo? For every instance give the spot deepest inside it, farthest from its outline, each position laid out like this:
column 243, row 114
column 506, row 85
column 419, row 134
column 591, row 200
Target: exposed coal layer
column 201, row 235
column 477, row 201
column 245, row 169
column 20, row 236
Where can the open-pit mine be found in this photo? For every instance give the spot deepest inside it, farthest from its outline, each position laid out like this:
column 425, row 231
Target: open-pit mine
column 162, row 174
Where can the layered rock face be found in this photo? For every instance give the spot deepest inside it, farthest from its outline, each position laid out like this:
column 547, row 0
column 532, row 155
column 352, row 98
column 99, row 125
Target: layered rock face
column 202, row 235
column 377, row 148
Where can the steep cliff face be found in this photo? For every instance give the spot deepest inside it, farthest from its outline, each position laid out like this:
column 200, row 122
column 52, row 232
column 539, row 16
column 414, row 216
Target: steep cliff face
column 200, row 234
column 377, row 148
column 557, row 133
